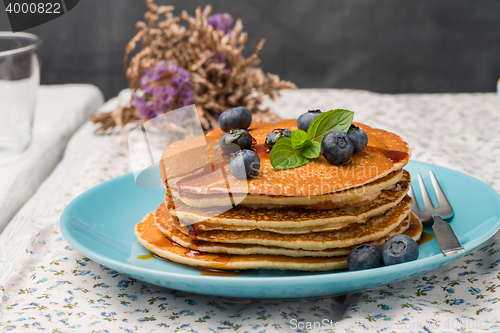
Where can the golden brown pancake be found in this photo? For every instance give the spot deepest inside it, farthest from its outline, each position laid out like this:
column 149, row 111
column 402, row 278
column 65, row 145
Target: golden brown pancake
column 297, row 218
column 167, row 225
column 153, row 240
column 156, row 242
column 358, row 233
column 386, row 152
column 356, row 196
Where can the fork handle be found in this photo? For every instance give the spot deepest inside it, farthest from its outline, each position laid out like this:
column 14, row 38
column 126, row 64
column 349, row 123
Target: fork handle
column 446, row 238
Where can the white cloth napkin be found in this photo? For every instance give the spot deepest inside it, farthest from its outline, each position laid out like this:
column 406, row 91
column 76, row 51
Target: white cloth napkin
column 53, row 287
column 60, row 111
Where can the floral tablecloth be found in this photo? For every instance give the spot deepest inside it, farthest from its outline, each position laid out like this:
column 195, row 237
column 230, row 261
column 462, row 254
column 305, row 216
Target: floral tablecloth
column 55, row 289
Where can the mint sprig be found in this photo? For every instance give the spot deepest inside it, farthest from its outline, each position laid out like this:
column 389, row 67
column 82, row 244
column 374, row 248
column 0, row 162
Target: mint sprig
column 284, row 156
column 311, row 151
column 332, row 120
column 300, row 139
column 302, row 147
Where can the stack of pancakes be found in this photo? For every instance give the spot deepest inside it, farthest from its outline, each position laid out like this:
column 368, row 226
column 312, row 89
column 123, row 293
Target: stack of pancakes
column 306, row 218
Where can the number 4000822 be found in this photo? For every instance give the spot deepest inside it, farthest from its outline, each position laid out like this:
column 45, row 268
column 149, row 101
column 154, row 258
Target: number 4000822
column 41, row 8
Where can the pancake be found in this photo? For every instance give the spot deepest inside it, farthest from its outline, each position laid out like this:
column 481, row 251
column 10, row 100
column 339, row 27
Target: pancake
column 166, row 224
column 189, row 167
column 358, row 233
column 291, row 217
column 153, row 240
column 356, row 196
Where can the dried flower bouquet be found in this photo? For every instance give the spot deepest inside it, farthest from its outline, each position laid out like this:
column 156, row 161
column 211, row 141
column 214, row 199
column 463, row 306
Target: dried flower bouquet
column 200, row 62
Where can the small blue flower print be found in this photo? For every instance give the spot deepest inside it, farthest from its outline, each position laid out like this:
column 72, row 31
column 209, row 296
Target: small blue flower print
column 123, row 284
column 475, row 291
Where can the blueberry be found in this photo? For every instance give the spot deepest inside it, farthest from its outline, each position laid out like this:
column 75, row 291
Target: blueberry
column 244, row 164
column 337, row 147
column 235, row 140
column 275, row 135
column 365, row 256
column 398, row 249
column 238, row 117
column 358, row 138
column 306, row 119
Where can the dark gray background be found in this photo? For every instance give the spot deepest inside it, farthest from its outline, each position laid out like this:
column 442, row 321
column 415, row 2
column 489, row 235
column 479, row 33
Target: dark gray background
column 389, row 46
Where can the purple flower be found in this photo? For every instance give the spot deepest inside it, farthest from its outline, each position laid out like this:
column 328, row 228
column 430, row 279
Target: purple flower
column 221, row 58
column 142, row 108
column 145, row 82
column 221, row 22
column 170, row 92
column 186, row 98
column 171, row 68
column 183, row 76
column 160, row 96
column 139, row 102
column 158, row 92
column 160, row 71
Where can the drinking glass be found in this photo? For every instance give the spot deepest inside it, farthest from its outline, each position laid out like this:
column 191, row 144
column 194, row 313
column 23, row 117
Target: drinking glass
column 19, row 80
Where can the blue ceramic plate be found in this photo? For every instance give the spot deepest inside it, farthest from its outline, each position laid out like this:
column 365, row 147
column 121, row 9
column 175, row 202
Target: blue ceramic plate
column 100, row 224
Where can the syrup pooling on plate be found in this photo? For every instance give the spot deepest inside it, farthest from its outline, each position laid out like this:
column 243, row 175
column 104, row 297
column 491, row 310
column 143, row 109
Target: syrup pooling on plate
column 425, row 238
column 219, row 272
column 146, row 256
column 203, row 271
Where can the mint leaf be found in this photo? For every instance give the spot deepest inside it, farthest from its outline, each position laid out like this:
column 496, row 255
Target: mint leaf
column 299, row 139
column 302, row 147
column 312, row 150
column 284, row 156
column 332, row 120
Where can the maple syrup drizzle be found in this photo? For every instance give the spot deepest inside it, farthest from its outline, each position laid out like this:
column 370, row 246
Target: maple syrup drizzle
column 205, row 170
column 193, row 232
column 204, row 271
column 199, row 226
column 261, row 150
column 146, row 256
column 196, row 243
column 193, row 253
column 425, row 238
column 203, row 226
column 218, row 272
column 158, row 257
column 174, row 243
column 393, row 155
column 221, row 259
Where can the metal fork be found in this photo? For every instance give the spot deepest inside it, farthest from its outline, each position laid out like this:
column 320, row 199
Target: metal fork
column 445, row 236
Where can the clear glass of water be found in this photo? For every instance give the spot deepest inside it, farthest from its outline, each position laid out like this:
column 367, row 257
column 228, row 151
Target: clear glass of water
column 19, row 81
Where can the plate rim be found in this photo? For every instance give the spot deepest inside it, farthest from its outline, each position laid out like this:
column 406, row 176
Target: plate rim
column 326, row 276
